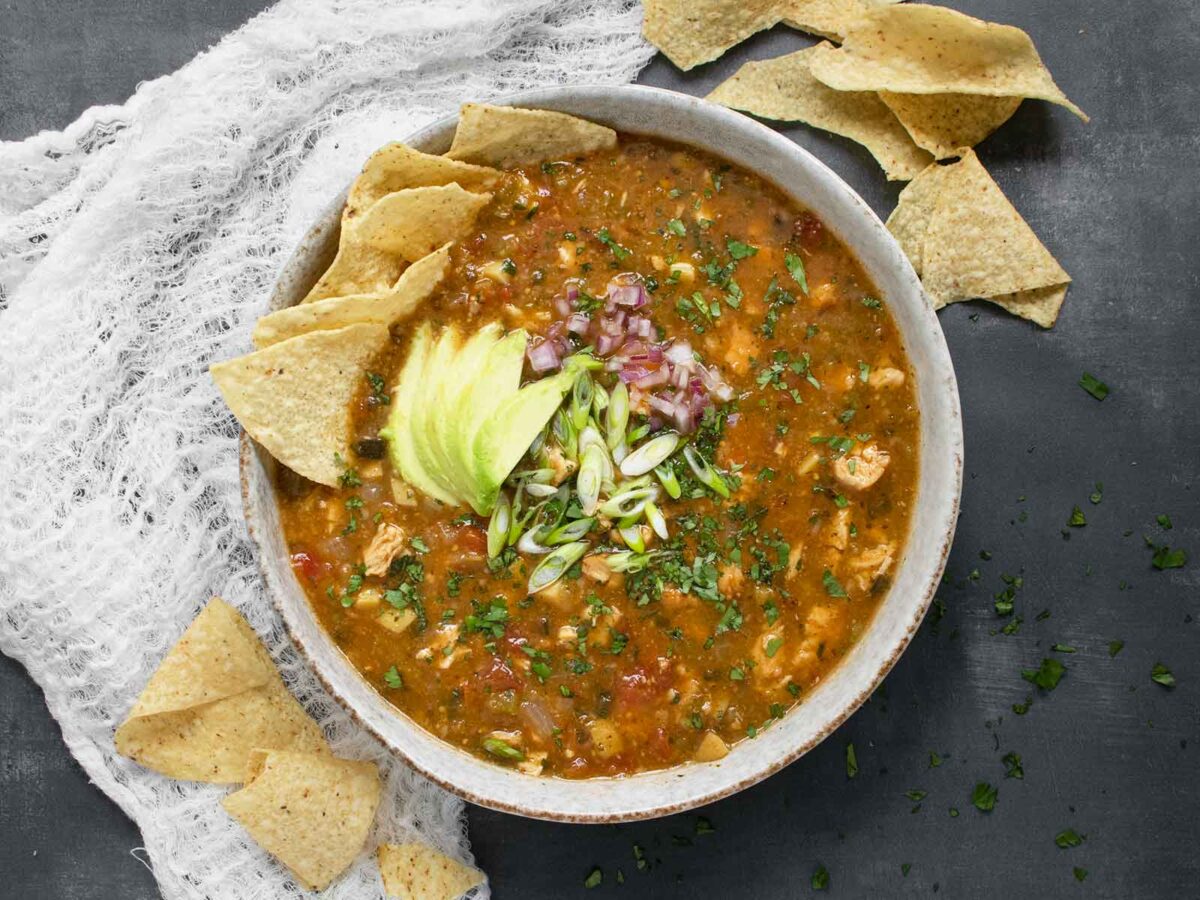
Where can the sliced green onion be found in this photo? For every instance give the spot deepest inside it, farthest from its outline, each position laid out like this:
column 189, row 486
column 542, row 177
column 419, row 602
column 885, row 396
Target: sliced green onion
column 599, row 402
column 652, row 453
column 657, row 520
column 632, row 536
column 498, row 526
column 503, row 750
column 705, row 474
column 637, row 434
column 572, row 531
column 538, row 442
column 529, row 543
column 616, row 417
column 555, row 566
column 666, row 477
column 582, row 362
column 627, row 503
column 590, row 479
column 566, row 433
column 626, row 561
column 536, row 489
column 581, row 400
column 538, row 476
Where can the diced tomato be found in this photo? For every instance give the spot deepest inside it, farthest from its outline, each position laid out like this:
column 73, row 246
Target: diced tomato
column 499, row 677
column 636, row 689
column 308, row 565
column 470, row 539
column 808, row 231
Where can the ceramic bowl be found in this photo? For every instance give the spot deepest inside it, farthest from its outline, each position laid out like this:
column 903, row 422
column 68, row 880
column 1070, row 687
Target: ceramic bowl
column 757, row 148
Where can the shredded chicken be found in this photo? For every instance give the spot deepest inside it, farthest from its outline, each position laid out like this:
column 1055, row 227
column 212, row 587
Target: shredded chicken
column 731, row 580
column 885, row 377
column 595, row 568
column 562, row 466
column 871, row 565
column 387, row 544
column 533, row 763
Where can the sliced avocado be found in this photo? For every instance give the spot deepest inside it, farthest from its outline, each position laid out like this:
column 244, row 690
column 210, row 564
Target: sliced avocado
column 399, row 430
column 465, row 372
column 440, row 366
column 511, row 428
column 499, row 379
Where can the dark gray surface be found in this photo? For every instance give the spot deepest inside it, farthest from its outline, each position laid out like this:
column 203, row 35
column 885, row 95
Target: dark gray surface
column 1108, row 753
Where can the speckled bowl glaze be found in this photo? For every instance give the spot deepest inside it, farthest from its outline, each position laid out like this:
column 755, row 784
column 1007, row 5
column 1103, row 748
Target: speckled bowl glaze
column 747, row 143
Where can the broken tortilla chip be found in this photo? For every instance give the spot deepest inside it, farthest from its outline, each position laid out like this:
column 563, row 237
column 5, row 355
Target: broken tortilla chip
column 414, row 222
column 311, row 812
column 967, row 241
column 691, row 32
column 418, row 872
column 294, row 397
column 215, row 696
column 828, row 18
column 784, row 88
column 511, row 136
column 945, row 123
column 414, row 287
column 395, row 167
column 918, row 49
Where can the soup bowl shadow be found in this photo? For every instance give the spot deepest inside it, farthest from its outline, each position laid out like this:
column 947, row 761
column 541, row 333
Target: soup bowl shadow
column 751, row 145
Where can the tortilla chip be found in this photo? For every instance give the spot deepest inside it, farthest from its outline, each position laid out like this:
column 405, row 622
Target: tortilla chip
column 414, row 287
column 311, row 812
column 418, row 872
column 966, row 241
column 216, row 657
column 357, row 269
column 691, row 32
column 395, row 167
column 945, row 123
column 509, row 136
column 294, row 396
column 416, row 221
column 783, row 88
column 909, row 221
column 1039, row 306
column 828, row 18
column 214, row 697
column 917, row 49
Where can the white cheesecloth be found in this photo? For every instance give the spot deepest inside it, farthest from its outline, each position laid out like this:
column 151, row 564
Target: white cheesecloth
column 137, row 246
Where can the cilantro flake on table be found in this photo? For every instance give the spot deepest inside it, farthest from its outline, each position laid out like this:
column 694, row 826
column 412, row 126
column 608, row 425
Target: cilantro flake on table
column 1097, row 495
column 594, row 878
column 1068, row 838
column 1160, row 674
column 1077, row 519
column 1012, row 766
column 1045, row 676
column 1164, row 522
column 820, row 879
column 1079, row 873
column 851, row 761
column 983, row 797
column 1093, row 385
column 1115, row 647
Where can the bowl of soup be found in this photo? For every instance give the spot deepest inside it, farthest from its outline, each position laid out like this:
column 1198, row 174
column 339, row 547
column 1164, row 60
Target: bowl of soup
column 651, row 485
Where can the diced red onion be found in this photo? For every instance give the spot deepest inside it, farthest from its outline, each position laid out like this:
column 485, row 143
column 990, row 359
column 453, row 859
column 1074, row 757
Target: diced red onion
column 633, row 373
column 680, row 353
column 578, row 323
column 654, row 379
column 544, row 356
column 562, row 305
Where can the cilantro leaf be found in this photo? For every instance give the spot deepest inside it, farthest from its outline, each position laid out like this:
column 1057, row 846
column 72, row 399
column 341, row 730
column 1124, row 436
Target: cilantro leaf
column 1093, row 386
column 832, row 586
column 795, row 267
column 984, row 797
column 1047, row 675
column 1160, row 674
column 1068, row 838
column 739, row 250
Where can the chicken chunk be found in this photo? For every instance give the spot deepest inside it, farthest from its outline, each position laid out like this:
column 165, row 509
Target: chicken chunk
column 388, row 543
column 532, row 763
column 741, row 347
column 606, row 739
column 886, row 377
column 731, row 580
column 871, row 565
column 858, row 471
column 595, row 568
column 711, row 748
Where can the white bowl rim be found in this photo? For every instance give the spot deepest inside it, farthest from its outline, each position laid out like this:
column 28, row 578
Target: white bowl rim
column 693, row 121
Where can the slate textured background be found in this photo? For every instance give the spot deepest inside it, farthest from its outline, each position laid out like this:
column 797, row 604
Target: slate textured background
column 1109, row 753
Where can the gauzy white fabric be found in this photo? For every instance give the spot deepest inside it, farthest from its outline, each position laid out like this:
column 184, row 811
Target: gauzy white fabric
column 138, row 246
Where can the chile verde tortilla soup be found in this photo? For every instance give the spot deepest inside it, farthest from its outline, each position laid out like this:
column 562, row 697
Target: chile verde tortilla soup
column 628, row 478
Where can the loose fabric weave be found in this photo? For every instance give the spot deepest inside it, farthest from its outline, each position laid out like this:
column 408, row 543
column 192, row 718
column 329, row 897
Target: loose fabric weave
column 136, row 247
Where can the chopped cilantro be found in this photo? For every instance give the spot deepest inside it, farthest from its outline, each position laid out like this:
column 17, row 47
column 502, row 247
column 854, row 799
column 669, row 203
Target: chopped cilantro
column 1164, row 521
column 379, row 394
column 594, row 878
column 1166, row 558
column 1115, row 647
column 676, row 227
column 619, row 253
column 773, row 646
column 739, row 250
column 795, row 267
column 393, row 679
column 1077, row 520
column 851, row 761
column 1079, row 873
column 736, row 674
column 704, row 826
column 1098, row 494
column 935, row 760
column 419, row 545
column 832, row 587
